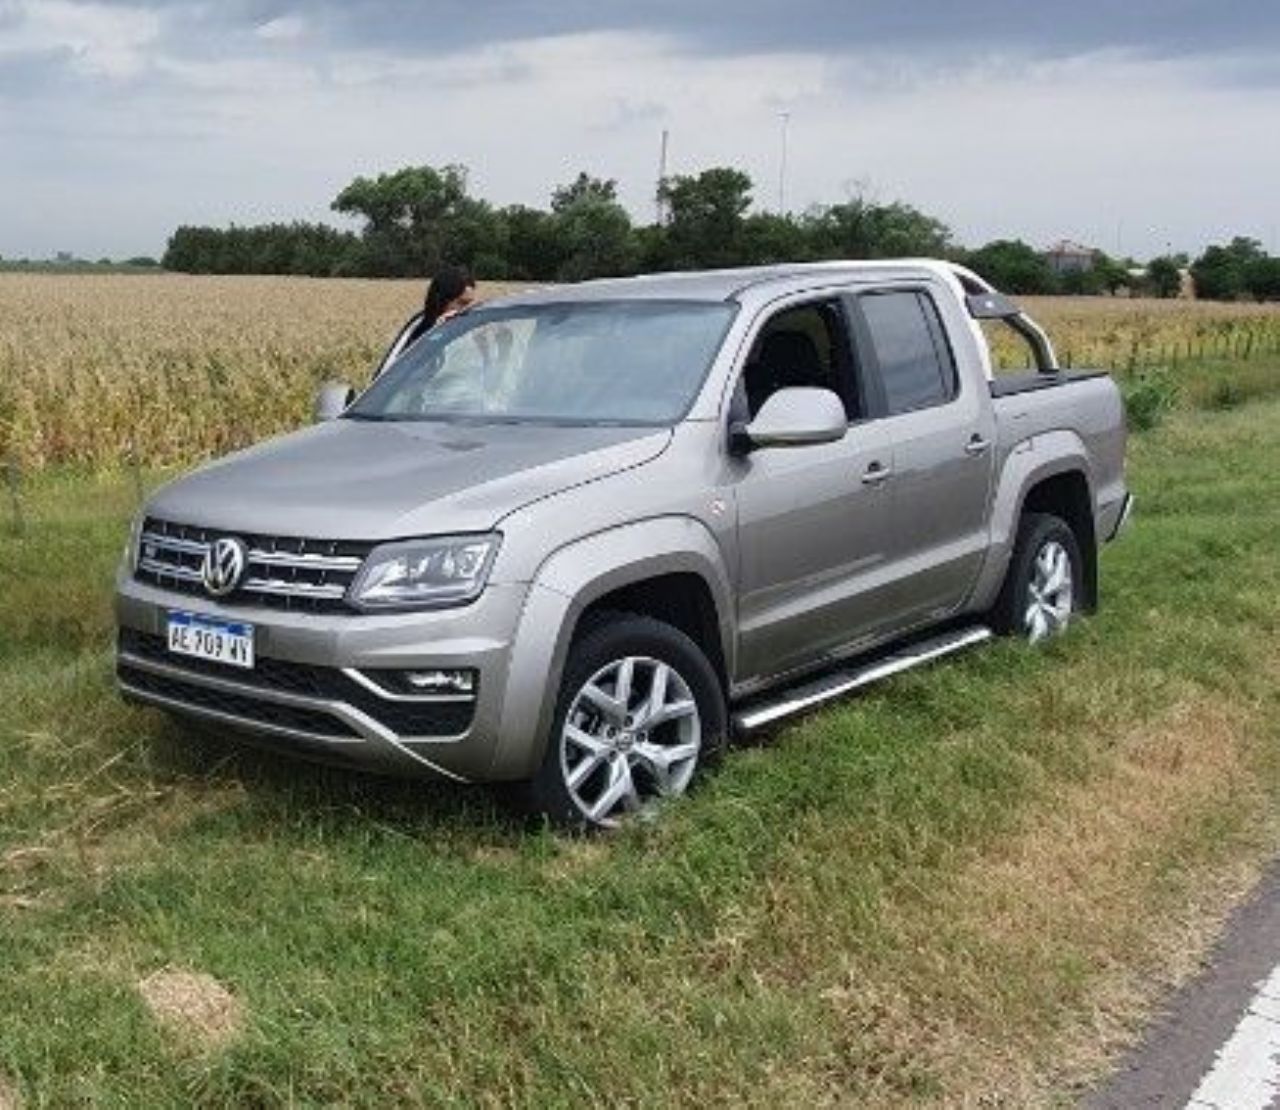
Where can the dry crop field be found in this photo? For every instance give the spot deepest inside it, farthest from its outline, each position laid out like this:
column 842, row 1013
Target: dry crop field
column 176, row 367
column 97, row 368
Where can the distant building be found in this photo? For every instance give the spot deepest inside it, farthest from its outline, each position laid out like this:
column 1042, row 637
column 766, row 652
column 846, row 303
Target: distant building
column 1066, row 257
column 63, row 258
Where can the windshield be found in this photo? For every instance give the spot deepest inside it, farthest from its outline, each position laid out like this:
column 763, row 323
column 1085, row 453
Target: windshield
column 618, row 362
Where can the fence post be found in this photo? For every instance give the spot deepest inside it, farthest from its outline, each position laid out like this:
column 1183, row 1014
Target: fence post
column 13, row 480
column 135, row 468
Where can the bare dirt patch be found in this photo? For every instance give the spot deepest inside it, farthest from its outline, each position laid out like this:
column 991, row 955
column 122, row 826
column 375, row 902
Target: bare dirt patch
column 574, row 857
column 193, row 1006
column 9, row 1098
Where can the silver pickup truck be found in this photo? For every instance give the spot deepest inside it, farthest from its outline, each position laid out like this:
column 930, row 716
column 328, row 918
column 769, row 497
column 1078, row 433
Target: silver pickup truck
column 577, row 538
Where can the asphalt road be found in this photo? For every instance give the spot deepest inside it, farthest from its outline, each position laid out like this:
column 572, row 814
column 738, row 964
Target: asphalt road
column 1218, row 1042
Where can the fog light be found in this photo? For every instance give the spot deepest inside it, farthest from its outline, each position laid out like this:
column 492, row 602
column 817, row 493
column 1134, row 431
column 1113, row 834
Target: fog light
column 441, row 682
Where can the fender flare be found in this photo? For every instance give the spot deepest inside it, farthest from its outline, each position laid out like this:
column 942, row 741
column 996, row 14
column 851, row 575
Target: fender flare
column 565, row 585
column 1031, row 461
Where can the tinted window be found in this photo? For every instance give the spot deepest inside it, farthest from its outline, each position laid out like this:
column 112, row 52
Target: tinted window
column 636, row 362
column 915, row 363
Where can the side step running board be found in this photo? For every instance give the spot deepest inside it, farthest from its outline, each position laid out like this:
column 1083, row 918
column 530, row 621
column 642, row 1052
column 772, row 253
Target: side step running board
column 797, row 699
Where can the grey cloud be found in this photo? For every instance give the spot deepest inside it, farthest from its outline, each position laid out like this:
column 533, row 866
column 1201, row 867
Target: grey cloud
column 1160, row 28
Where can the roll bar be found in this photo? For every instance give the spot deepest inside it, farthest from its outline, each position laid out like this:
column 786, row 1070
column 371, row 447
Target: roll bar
column 987, row 303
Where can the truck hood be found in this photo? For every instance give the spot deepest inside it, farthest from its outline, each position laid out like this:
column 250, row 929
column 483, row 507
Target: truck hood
column 356, row 480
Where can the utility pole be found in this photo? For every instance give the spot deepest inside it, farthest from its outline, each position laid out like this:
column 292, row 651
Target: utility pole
column 662, row 178
column 782, row 166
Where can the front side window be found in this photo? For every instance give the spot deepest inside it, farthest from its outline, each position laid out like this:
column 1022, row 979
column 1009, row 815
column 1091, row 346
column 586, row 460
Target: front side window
column 803, row 345
column 916, row 367
column 617, row 362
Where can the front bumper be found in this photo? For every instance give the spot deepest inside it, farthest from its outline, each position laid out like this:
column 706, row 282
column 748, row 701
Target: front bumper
column 313, row 689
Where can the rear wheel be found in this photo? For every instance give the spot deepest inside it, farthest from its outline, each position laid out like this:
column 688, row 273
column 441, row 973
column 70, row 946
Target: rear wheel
column 1042, row 586
column 640, row 711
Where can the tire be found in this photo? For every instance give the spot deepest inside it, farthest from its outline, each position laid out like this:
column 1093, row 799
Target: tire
column 1044, row 583
column 604, row 760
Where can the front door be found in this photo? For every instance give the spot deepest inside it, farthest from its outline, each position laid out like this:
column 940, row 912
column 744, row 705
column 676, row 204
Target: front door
column 813, row 522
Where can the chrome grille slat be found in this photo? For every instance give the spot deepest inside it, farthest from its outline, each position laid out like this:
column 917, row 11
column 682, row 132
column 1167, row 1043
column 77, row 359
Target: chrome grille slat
column 282, row 571
column 173, row 543
column 284, row 588
column 172, row 570
column 339, row 563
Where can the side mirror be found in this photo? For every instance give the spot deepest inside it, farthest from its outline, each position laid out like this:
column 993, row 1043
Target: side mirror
column 798, row 416
column 332, row 400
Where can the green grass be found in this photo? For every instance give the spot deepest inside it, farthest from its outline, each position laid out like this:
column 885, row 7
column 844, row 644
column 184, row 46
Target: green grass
column 950, row 888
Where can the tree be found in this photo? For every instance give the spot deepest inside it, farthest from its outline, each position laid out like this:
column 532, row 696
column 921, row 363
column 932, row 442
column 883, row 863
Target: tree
column 595, row 236
column 583, row 187
column 707, row 217
column 1164, row 277
column 409, row 216
column 859, row 228
column 532, row 248
column 1262, row 278
column 1220, row 272
column 1012, row 266
column 768, row 238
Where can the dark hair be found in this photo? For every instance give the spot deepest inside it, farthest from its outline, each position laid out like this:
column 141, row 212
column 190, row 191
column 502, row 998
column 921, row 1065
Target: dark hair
column 448, row 283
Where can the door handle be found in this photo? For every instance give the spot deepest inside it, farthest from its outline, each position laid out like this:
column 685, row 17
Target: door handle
column 976, row 445
column 875, row 474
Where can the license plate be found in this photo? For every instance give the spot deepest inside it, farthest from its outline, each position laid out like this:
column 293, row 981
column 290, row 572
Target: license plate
column 227, row 642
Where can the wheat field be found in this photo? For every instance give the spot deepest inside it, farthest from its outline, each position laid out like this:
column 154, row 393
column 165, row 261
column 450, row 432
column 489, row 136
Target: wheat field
column 99, row 370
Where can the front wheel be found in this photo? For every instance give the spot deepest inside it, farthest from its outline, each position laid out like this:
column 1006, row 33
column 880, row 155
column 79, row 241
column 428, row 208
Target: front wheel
column 640, row 711
column 1042, row 587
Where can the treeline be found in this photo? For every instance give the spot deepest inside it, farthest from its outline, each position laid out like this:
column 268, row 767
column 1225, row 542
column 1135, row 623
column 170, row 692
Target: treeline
column 417, row 217
column 314, row 250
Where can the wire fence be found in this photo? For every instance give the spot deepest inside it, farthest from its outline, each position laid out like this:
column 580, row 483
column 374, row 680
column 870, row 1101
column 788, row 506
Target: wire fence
column 1237, row 344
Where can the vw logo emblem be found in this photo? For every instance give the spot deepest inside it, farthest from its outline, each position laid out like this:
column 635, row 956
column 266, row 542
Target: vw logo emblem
column 224, row 565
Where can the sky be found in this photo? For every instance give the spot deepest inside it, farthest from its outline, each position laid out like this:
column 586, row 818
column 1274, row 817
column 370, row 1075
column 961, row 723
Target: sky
column 1136, row 126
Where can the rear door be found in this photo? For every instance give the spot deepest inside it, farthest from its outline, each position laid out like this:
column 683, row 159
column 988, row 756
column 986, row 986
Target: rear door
column 943, row 434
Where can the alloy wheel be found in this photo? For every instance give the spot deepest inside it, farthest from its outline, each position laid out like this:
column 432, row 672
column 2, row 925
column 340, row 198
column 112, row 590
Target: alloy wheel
column 1050, row 593
column 631, row 737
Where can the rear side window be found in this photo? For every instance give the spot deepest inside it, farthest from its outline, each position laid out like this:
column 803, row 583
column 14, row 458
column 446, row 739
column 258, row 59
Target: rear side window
column 916, row 367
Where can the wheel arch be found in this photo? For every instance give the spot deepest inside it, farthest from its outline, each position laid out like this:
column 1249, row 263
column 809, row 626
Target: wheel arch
column 1049, row 472
column 669, row 568
column 1067, row 496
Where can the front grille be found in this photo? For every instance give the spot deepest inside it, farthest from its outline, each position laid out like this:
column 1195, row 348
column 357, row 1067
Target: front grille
column 283, row 572
column 311, row 721
column 406, row 719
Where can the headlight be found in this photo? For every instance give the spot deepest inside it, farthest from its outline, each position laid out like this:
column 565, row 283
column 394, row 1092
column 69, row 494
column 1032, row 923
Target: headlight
column 421, row 574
